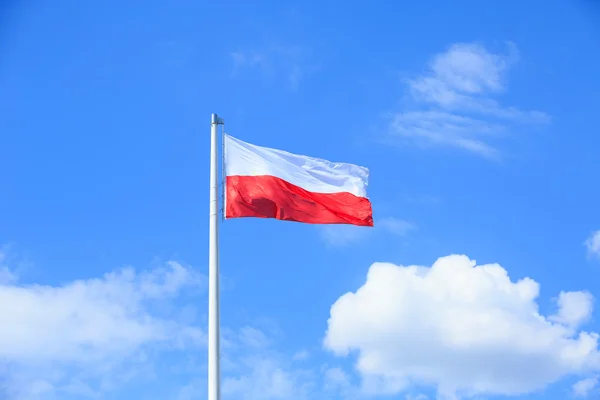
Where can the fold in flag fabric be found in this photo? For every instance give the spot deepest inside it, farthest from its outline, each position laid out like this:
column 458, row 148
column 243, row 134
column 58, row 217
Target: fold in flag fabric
column 267, row 183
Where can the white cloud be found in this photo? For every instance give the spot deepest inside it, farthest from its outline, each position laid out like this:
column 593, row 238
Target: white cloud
column 435, row 127
column 574, row 308
column 584, row 387
column 462, row 70
column 461, row 327
column 593, row 244
column 58, row 339
column 453, row 102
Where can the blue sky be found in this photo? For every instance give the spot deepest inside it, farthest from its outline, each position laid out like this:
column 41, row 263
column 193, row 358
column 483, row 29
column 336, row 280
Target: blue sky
column 477, row 120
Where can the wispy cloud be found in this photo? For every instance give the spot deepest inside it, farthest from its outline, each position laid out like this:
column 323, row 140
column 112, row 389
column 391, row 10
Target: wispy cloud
column 453, row 103
column 6, row 275
column 291, row 62
column 396, row 226
column 584, row 387
column 338, row 381
column 248, row 59
column 593, row 244
column 301, row 355
column 257, row 370
column 342, row 235
column 419, row 396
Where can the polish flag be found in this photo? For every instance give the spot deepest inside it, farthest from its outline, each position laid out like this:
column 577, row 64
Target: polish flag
column 268, row 183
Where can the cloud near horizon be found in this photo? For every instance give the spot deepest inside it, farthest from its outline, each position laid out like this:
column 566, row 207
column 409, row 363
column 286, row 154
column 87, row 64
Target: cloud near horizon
column 451, row 326
column 82, row 336
column 463, row 328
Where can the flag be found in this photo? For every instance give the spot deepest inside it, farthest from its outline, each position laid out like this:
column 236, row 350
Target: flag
column 268, row 183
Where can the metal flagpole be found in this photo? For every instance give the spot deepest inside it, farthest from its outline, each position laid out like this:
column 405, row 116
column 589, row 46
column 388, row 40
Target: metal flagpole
column 214, row 370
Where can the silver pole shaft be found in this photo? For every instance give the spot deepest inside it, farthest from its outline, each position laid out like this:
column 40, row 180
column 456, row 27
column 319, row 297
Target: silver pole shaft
column 214, row 370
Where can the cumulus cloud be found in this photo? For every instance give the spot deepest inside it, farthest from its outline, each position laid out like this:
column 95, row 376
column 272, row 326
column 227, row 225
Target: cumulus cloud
column 465, row 328
column 593, row 244
column 453, row 103
column 58, row 339
column 574, row 308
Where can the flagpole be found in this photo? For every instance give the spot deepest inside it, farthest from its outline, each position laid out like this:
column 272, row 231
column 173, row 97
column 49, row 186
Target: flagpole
column 214, row 370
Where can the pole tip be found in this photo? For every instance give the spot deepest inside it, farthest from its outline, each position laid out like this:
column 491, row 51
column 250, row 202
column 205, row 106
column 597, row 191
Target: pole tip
column 214, row 119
